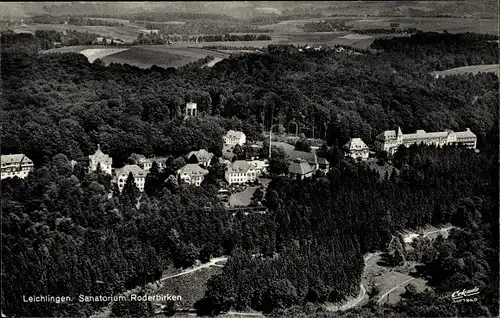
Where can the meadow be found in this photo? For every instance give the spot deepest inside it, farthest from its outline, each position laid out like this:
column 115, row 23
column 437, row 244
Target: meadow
column 474, row 69
column 163, row 56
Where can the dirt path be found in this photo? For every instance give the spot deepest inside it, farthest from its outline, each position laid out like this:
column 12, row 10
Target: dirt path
column 196, row 268
column 393, row 289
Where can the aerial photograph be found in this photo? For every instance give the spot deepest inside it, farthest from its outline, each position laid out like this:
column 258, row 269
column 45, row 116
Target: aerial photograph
column 244, row 159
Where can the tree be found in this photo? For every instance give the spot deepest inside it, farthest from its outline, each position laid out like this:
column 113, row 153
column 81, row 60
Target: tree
column 302, row 144
column 278, row 164
column 130, row 192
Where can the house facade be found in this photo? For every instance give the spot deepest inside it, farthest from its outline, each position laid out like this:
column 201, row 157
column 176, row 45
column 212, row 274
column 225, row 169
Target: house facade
column 139, row 174
column 101, row 158
column 202, row 156
column 300, row 169
column 234, row 138
column 16, row 165
column 240, row 172
column 191, row 109
column 192, row 173
column 356, row 149
column 147, row 163
column 390, row 140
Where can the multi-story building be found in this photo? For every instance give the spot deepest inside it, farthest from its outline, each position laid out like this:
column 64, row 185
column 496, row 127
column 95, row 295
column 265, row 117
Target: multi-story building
column 192, row 173
column 356, row 149
column 17, row 165
column 260, row 165
column 100, row 158
column 240, row 172
column 202, row 156
column 147, row 163
column 390, row 140
column 233, row 138
column 300, row 169
column 138, row 173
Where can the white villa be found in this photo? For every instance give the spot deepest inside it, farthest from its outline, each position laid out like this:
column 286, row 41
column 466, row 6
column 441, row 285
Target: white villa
column 192, row 173
column 356, row 148
column 234, row 138
column 191, row 109
column 241, row 172
column 138, row 173
column 202, row 156
column 16, row 165
column 147, row 163
column 100, row 158
column 390, row 140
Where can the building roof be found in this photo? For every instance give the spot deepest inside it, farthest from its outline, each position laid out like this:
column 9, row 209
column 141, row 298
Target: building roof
column 135, row 169
column 99, row 156
column 239, row 166
column 390, row 134
column 192, row 169
column 234, row 134
column 323, row 161
column 15, row 159
column 201, row 155
column 300, row 167
column 355, row 144
column 310, row 157
column 465, row 134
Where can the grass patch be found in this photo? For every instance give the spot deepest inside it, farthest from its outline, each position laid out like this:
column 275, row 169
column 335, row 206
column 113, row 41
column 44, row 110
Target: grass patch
column 474, row 69
column 190, row 287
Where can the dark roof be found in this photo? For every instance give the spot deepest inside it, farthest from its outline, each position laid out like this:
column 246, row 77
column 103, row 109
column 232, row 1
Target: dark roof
column 301, row 168
column 311, row 158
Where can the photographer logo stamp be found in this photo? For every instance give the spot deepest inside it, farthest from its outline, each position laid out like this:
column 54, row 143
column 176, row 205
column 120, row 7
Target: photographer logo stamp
column 465, row 295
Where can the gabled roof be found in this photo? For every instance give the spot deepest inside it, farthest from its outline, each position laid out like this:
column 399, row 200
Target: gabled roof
column 135, row 169
column 355, row 144
column 192, row 169
column 323, row 161
column 387, row 135
column 99, row 156
column 15, row 159
column 465, row 134
column 201, row 155
column 308, row 156
column 239, row 166
column 300, row 167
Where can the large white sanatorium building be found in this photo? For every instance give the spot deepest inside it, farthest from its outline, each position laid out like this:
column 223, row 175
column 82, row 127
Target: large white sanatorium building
column 100, row 158
column 241, row 172
column 16, row 165
column 390, row 140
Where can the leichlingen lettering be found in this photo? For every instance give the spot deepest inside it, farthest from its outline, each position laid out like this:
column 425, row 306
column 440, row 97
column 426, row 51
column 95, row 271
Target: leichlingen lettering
column 47, row 299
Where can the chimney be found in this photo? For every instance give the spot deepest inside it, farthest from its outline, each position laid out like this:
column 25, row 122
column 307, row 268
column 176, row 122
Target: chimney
column 467, row 129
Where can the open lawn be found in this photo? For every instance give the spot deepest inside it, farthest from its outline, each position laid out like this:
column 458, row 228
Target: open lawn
column 474, row 69
column 190, row 287
column 242, row 198
column 390, row 281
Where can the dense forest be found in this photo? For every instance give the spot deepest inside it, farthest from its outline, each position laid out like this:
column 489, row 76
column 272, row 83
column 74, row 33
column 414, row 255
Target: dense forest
column 63, row 235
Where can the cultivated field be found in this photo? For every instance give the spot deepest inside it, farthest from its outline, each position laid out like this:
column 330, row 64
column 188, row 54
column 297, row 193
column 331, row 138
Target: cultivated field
column 163, row 56
column 91, row 52
column 453, row 25
column 474, row 69
column 127, row 33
